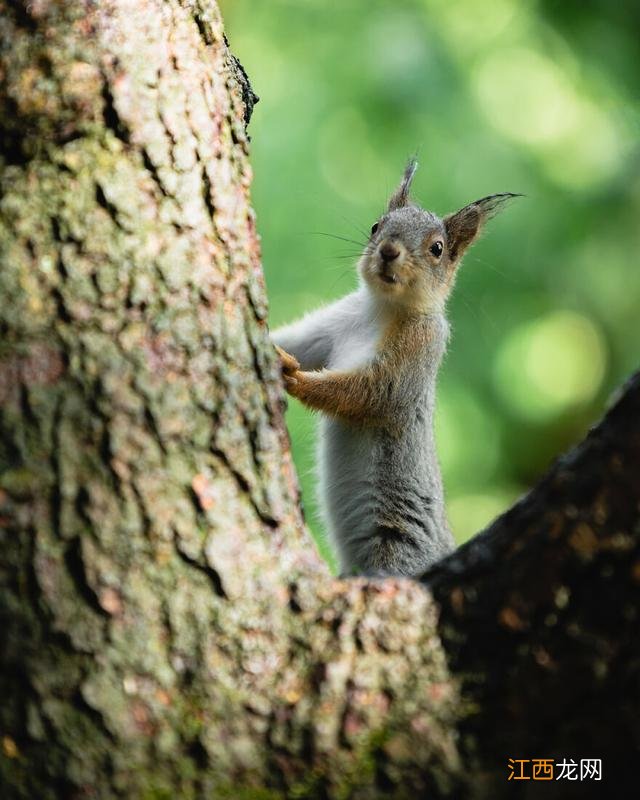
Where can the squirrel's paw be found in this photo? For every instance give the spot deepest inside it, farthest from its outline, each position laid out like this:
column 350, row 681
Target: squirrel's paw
column 288, row 362
column 297, row 383
column 292, row 382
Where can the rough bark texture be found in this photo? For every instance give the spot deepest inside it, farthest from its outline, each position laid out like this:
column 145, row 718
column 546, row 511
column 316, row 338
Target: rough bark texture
column 539, row 616
column 167, row 628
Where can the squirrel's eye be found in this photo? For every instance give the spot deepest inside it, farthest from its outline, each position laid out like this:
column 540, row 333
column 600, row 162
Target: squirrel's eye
column 436, row 249
column 374, row 227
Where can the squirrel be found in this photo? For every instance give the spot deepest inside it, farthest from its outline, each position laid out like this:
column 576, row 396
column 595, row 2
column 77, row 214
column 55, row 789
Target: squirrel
column 369, row 362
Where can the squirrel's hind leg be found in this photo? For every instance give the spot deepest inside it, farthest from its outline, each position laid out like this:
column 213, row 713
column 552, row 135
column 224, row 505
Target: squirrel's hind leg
column 387, row 552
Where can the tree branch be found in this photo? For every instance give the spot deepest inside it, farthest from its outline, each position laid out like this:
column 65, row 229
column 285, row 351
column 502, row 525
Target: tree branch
column 539, row 613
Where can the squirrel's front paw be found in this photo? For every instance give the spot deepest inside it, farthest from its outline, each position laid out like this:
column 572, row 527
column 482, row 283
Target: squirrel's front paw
column 288, row 362
column 297, row 383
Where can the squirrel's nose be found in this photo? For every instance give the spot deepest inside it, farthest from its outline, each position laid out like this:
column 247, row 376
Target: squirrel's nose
column 389, row 252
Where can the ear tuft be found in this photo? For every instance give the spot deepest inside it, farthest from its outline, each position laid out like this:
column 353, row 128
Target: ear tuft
column 489, row 206
column 400, row 197
column 464, row 226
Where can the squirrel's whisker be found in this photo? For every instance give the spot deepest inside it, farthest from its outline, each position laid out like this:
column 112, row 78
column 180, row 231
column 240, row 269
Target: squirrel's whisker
column 341, row 238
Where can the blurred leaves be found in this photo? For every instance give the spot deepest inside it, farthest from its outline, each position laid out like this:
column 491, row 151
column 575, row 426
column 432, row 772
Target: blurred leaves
column 533, row 97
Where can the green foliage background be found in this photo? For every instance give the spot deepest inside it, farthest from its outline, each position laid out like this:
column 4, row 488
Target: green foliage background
column 505, row 95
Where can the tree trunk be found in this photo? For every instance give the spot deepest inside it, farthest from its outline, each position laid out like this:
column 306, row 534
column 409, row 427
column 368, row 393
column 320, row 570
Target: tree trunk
column 168, row 630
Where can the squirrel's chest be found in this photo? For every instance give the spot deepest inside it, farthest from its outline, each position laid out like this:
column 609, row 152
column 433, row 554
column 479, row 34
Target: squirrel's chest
column 354, row 346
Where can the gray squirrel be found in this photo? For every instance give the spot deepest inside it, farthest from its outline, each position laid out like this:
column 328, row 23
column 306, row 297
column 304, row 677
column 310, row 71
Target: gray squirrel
column 368, row 362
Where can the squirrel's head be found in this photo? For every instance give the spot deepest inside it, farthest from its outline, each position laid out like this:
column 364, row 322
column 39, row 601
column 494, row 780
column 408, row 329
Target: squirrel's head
column 412, row 255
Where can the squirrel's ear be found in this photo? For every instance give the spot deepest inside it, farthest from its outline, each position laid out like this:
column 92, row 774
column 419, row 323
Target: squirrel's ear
column 464, row 226
column 400, row 197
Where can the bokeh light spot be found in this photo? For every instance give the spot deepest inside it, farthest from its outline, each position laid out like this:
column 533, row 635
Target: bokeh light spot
column 547, row 366
column 526, row 96
column 473, row 23
column 531, row 100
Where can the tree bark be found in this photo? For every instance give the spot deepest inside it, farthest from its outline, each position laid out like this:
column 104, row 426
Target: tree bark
column 539, row 617
column 168, row 629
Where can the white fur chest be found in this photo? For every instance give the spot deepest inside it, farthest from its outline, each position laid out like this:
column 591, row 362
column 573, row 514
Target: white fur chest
column 355, row 339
